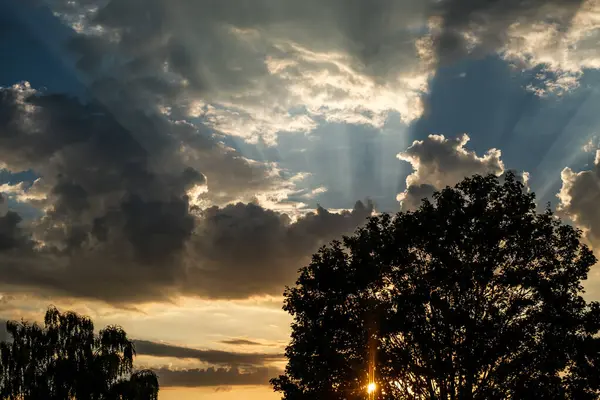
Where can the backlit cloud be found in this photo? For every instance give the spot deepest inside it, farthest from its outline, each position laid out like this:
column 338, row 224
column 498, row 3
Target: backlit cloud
column 257, row 69
column 439, row 162
column 579, row 196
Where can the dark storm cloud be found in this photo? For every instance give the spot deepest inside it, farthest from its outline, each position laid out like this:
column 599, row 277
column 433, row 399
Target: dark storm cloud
column 11, row 234
column 242, row 249
column 210, row 356
column 214, row 377
column 234, row 252
column 118, row 224
column 96, row 174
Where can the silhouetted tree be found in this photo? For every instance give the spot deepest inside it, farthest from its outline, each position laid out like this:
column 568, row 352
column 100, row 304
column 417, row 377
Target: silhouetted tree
column 65, row 359
column 474, row 295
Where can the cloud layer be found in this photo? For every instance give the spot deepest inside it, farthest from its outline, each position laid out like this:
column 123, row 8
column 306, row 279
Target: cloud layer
column 133, row 214
column 257, row 69
column 214, row 357
column 136, row 188
column 222, row 377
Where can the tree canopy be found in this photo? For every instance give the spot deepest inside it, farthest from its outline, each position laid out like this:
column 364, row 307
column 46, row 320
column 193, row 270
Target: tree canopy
column 66, row 359
column 474, row 295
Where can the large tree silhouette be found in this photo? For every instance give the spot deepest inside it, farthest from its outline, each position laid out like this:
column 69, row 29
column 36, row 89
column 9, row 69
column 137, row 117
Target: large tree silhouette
column 475, row 295
column 65, row 359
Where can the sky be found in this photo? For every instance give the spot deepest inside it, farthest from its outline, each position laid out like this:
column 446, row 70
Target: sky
column 169, row 165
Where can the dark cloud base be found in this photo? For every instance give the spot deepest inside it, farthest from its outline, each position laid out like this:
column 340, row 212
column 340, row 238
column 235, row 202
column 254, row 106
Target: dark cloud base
column 221, row 377
column 118, row 223
column 144, row 347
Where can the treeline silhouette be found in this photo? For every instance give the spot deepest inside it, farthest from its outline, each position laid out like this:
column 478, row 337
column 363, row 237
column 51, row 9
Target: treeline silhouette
column 66, row 359
column 473, row 296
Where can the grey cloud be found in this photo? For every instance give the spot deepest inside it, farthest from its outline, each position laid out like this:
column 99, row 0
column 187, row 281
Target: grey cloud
column 378, row 36
column 219, row 52
column 210, row 356
column 240, row 67
column 11, row 235
column 489, row 21
column 95, row 171
column 214, row 377
column 115, row 171
column 118, row 224
column 438, row 162
column 32, row 134
column 362, row 28
column 242, row 342
column 414, row 194
column 579, row 198
column 3, row 204
column 233, row 252
column 244, row 249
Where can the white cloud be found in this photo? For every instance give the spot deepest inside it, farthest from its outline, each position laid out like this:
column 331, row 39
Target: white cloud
column 579, row 197
column 439, row 162
column 564, row 53
column 592, row 144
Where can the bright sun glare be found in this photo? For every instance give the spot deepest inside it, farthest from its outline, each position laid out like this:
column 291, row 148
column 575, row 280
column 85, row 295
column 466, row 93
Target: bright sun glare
column 371, row 387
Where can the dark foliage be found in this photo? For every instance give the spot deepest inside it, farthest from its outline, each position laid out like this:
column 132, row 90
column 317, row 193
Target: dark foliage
column 475, row 295
column 65, row 359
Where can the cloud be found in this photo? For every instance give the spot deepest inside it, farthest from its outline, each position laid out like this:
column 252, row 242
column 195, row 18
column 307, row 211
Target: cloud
column 242, row 342
column 557, row 37
column 11, row 236
column 3, row 203
column 230, row 374
column 579, row 197
column 244, row 249
column 144, row 347
column 257, row 69
column 591, row 145
column 128, row 208
column 438, row 162
column 235, row 252
column 563, row 42
column 214, row 377
column 262, row 255
column 489, row 22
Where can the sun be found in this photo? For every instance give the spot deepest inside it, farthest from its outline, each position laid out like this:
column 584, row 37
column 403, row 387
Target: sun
column 371, row 387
